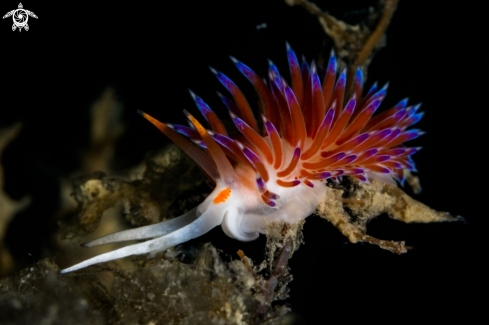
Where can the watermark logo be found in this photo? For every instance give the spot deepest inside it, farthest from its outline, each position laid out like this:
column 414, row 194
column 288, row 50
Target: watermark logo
column 20, row 17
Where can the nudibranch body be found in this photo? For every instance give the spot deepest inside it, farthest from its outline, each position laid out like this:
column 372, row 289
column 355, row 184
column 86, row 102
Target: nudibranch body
column 310, row 134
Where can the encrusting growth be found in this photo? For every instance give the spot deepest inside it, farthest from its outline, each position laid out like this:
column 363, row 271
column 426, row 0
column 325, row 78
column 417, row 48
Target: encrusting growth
column 311, row 133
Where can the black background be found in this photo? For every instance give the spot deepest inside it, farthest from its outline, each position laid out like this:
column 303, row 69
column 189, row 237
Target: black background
column 151, row 53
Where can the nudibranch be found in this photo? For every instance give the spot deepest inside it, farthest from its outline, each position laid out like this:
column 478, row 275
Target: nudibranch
column 310, row 134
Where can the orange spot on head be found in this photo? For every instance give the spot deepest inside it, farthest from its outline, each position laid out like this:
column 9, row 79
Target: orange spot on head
column 222, row 196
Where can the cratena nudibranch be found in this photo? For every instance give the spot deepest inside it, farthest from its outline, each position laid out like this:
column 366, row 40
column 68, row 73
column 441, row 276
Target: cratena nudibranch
column 310, row 133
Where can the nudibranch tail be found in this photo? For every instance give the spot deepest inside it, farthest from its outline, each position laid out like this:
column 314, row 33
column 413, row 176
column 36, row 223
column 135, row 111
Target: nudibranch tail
column 311, row 133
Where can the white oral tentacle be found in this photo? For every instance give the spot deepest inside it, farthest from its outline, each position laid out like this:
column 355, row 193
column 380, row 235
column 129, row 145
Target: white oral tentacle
column 202, row 225
column 151, row 231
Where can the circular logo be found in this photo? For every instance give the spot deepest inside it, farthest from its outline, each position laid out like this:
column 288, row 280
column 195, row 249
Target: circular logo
column 20, row 17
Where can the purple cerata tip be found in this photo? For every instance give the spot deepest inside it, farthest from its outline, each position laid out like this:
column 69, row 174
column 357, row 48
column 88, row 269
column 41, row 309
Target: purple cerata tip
column 350, row 107
column 274, row 196
column 332, row 63
column 350, row 159
column 338, row 156
column 237, row 121
column 374, row 105
column 412, row 134
column 385, row 170
column 397, row 152
column 402, row 104
column 359, row 76
column 269, row 127
column 399, row 115
column 325, row 175
column 362, row 178
column 357, row 171
column 382, row 134
column 382, row 158
column 342, row 80
column 369, row 153
column 372, row 90
column 297, row 152
column 330, row 115
column 394, row 134
column 339, row 172
column 260, row 182
column 361, row 138
column 396, row 165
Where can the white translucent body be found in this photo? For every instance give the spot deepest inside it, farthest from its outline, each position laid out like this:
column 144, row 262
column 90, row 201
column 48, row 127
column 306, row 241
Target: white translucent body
column 242, row 215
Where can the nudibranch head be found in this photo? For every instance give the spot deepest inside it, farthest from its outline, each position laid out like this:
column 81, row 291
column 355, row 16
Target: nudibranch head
column 310, row 134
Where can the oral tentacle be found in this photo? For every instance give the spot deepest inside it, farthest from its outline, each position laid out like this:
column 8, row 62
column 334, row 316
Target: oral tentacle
column 202, row 225
column 146, row 232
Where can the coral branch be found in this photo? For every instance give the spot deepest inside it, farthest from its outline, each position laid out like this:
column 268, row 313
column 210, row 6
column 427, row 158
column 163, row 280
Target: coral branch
column 354, row 44
column 367, row 201
column 278, row 271
column 331, row 25
column 286, row 238
column 374, row 39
